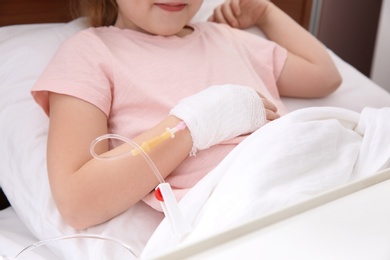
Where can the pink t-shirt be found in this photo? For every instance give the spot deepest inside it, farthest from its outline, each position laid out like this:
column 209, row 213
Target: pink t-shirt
column 136, row 78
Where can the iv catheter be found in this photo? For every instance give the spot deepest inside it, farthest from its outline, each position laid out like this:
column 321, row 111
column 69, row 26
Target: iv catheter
column 71, row 237
column 169, row 133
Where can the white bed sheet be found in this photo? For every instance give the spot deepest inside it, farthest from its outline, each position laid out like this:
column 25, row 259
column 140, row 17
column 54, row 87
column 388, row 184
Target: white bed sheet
column 293, row 159
column 350, row 222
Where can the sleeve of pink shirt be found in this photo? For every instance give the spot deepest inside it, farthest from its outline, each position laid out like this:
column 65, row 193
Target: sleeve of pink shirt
column 267, row 57
column 80, row 68
column 265, row 53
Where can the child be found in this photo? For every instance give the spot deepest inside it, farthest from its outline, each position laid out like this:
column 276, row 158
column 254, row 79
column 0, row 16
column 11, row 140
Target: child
column 142, row 68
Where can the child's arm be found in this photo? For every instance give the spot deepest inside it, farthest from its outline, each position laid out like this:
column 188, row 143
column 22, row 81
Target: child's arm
column 309, row 71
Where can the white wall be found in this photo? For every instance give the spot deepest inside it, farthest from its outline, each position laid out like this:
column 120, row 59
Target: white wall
column 380, row 72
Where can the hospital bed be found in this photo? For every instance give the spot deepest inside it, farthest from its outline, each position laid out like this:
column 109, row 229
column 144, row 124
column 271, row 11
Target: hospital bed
column 325, row 202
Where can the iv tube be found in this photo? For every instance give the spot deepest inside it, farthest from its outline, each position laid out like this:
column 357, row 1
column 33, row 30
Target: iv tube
column 124, row 139
column 68, row 237
column 170, row 132
column 163, row 191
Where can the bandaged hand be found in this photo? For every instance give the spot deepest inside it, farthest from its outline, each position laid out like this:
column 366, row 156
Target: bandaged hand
column 220, row 113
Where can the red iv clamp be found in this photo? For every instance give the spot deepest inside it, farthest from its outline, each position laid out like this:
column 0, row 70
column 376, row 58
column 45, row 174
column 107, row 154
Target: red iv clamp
column 171, row 210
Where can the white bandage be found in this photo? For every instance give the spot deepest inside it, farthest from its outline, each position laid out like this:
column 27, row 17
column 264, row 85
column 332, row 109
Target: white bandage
column 220, row 113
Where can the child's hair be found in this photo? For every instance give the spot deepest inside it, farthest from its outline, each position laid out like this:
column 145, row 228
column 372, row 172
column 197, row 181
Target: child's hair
column 97, row 12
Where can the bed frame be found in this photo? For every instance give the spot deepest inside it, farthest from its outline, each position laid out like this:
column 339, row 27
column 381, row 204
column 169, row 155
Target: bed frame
column 50, row 11
column 3, row 200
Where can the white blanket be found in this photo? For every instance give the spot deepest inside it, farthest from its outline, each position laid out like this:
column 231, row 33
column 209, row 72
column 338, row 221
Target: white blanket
column 304, row 153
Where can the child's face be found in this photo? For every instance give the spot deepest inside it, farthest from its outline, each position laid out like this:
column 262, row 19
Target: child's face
column 160, row 17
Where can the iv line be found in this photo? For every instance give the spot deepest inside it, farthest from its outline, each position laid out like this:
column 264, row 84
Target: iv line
column 163, row 191
column 124, row 139
column 146, row 146
column 67, row 237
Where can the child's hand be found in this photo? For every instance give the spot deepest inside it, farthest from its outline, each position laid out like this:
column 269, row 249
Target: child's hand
column 271, row 111
column 240, row 13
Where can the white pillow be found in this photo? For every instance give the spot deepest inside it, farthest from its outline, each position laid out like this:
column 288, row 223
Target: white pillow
column 26, row 49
